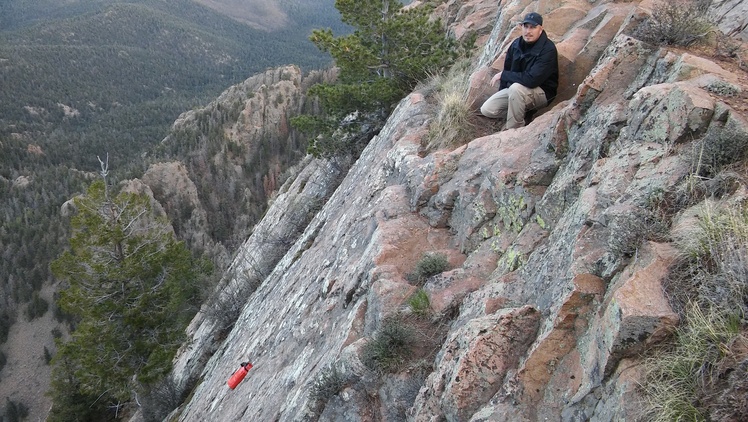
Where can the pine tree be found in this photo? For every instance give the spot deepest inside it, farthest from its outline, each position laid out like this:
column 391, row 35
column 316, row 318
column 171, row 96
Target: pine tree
column 389, row 52
column 132, row 289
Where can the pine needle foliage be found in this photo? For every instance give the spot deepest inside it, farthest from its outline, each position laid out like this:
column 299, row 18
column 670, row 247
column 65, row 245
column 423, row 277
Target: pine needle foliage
column 390, row 50
column 132, row 289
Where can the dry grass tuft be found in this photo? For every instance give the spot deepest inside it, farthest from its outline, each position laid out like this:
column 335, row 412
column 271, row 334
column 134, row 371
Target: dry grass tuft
column 714, row 269
column 701, row 375
column 679, row 379
column 453, row 124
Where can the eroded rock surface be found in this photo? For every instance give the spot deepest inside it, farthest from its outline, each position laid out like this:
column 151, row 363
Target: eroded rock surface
column 549, row 299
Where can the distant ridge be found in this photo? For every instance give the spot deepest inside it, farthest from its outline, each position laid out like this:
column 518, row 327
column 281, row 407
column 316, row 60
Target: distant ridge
column 259, row 14
column 130, row 68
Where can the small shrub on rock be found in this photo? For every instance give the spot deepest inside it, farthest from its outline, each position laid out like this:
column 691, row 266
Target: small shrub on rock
column 629, row 231
column 682, row 380
column 419, row 303
column 430, row 265
column 722, row 147
column 390, row 347
column 680, row 23
column 37, row 307
column 453, row 125
column 160, row 399
column 15, row 411
column 328, row 384
column 5, row 323
column 713, row 271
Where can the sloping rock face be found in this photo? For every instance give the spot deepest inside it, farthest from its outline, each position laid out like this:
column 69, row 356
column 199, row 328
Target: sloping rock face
column 552, row 295
column 731, row 17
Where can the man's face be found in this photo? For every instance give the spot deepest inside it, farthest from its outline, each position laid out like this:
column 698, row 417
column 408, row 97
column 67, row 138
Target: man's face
column 530, row 32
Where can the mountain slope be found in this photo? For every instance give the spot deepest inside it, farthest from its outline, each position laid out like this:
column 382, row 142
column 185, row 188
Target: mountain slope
column 269, row 15
column 557, row 275
column 129, row 69
column 81, row 79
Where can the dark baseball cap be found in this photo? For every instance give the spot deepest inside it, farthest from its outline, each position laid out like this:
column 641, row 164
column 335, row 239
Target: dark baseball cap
column 533, row 19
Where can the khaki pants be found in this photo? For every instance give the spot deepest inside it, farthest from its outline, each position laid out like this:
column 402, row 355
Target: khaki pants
column 513, row 103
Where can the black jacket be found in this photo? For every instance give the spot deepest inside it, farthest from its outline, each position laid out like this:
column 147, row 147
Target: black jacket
column 532, row 65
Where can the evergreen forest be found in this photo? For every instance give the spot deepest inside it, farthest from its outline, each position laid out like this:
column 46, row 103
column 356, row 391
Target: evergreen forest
column 87, row 79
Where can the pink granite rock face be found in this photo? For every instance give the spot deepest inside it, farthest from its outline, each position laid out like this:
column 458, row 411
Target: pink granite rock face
column 544, row 315
column 473, row 363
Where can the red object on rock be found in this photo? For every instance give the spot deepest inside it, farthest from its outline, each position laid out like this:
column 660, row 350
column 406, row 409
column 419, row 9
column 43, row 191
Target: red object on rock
column 239, row 375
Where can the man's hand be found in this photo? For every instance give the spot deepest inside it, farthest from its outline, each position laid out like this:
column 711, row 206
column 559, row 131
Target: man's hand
column 496, row 78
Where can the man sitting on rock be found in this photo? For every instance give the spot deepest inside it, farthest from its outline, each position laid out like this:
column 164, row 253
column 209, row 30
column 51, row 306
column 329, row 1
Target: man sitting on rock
column 530, row 76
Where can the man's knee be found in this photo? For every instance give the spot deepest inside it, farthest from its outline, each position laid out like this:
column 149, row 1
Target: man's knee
column 494, row 107
column 518, row 91
column 528, row 98
column 488, row 111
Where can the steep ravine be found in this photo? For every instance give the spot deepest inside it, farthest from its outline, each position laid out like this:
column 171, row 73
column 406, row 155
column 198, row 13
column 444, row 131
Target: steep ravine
column 545, row 311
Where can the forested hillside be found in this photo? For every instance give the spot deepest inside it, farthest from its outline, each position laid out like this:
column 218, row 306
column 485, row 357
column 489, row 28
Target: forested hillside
column 115, row 77
column 81, row 79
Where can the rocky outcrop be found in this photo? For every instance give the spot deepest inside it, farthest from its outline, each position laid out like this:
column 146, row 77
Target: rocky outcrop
column 171, row 184
column 473, row 362
column 553, row 294
column 228, row 159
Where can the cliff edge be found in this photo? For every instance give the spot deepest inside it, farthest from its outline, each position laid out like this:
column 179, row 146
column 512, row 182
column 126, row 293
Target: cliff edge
column 551, row 295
